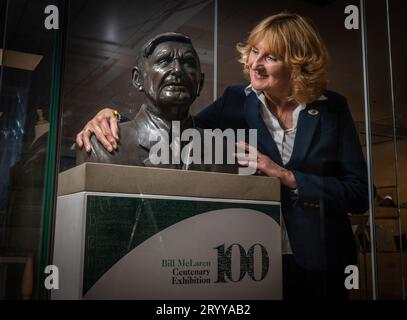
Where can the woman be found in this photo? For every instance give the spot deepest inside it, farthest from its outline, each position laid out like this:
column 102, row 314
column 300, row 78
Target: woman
column 306, row 137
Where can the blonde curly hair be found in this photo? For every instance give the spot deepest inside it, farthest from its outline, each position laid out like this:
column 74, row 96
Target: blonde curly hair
column 294, row 39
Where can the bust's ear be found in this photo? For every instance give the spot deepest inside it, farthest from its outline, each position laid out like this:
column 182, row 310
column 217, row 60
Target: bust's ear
column 201, row 83
column 137, row 79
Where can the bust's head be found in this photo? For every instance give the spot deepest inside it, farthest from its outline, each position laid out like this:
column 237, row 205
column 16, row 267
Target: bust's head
column 169, row 73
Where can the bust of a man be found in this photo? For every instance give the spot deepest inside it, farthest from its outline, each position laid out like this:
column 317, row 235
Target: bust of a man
column 168, row 71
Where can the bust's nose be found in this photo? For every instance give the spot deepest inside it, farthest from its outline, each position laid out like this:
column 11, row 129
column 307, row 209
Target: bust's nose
column 176, row 66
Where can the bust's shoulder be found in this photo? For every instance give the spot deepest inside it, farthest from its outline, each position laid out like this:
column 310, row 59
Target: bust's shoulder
column 99, row 154
column 131, row 135
column 128, row 127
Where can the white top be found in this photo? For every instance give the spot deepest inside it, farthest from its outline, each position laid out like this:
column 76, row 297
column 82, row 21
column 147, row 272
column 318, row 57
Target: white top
column 284, row 140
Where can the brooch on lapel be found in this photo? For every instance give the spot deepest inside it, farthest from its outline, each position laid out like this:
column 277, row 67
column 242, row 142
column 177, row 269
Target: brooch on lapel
column 313, row 112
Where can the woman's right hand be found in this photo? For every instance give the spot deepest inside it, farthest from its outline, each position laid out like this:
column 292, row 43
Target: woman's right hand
column 104, row 127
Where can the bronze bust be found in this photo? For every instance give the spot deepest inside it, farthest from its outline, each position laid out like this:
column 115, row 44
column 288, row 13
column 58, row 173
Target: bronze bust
column 168, row 71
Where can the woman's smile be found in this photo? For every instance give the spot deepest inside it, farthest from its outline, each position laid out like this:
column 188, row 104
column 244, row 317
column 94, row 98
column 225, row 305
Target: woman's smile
column 259, row 75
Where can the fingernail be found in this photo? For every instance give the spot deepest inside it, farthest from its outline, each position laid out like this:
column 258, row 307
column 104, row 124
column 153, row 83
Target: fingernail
column 110, row 149
column 87, row 149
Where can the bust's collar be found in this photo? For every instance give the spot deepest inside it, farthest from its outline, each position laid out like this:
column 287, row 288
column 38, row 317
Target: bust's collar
column 149, row 124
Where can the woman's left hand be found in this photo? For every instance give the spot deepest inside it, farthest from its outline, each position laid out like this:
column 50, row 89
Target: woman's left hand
column 264, row 165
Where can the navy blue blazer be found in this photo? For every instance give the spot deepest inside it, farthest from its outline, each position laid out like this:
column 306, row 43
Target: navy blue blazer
column 329, row 168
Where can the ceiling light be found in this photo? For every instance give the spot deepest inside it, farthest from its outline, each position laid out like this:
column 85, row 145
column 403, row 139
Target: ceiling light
column 19, row 60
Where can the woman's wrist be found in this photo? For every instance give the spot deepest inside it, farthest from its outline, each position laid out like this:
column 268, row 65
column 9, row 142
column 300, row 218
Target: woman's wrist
column 287, row 178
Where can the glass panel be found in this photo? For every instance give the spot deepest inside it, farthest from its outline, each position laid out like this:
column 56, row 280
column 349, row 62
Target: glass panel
column 386, row 167
column 26, row 77
column 103, row 42
column 398, row 64
column 345, row 75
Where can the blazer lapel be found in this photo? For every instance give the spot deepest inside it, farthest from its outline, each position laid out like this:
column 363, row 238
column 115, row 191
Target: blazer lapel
column 308, row 120
column 254, row 120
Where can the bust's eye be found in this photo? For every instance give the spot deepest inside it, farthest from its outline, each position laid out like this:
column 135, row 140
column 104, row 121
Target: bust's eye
column 190, row 62
column 163, row 61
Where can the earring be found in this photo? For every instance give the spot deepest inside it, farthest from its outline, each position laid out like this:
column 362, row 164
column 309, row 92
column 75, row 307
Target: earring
column 140, row 88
